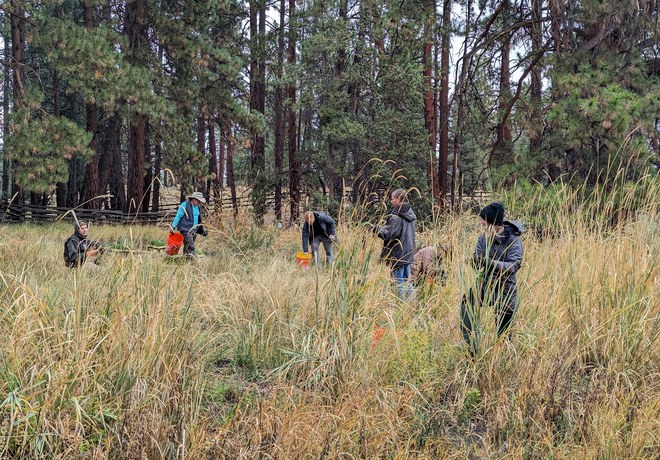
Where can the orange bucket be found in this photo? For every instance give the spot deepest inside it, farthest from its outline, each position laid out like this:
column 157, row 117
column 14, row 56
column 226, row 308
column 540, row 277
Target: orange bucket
column 174, row 242
column 303, row 259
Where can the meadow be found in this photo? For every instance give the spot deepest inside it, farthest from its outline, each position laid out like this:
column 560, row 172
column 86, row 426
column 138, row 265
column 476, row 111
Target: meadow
column 241, row 354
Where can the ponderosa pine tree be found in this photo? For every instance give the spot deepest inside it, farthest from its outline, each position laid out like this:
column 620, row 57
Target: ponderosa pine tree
column 604, row 96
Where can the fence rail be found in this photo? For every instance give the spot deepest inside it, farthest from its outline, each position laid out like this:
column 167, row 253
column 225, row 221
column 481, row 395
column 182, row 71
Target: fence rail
column 28, row 213
column 11, row 212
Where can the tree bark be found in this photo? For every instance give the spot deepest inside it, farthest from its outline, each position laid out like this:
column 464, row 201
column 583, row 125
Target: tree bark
column 258, row 103
column 5, row 192
column 503, row 149
column 116, row 183
column 17, row 29
column 158, row 166
column 294, row 166
column 221, row 161
column 212, row 183
column 230, row 165
column 462, row 85
column 91, row 184
column 437, row 188
column 138, row 40
column 201, row 135
column 443, row 161
column 148, row 170
column 536, row 139
column 60, row 187
column 279, row 117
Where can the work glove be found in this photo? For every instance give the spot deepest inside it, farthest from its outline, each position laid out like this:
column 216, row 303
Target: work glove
column 205, row 232
column 332, row 238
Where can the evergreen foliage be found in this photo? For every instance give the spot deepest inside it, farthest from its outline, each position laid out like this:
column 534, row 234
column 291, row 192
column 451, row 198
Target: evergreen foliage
column 539, row 91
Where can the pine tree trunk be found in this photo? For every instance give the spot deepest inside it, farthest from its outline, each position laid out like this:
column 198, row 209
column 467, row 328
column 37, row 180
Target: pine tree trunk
column 201, row 135
column 60, row 187
column 17, row 29
column 221, row 162
column 117, row 185
column 279, row 117
column 5, row 191
column 294, row 167
column 258, row 103
column 443, row 162
column 536, row 139
column 212, row 182
column 158, row 166
column 230, row 165
column 138, row 40
column 91, row 187
column 458, row 129
column 437, row 188
column 359, row 163
column 503, row 149
column 148, row 170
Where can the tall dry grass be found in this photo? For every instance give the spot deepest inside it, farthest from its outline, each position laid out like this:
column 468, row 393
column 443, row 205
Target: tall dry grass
column 244, row 355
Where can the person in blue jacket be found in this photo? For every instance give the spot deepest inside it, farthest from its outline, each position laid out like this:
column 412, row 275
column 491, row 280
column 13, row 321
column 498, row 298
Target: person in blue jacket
column 188, row 221
column 497, row 257
column 318, row 227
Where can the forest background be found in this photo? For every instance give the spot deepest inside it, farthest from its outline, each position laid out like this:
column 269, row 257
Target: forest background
column 293, row 99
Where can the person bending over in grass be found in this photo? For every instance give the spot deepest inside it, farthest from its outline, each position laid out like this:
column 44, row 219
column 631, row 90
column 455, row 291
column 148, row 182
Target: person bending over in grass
column 188, row 221
column 78, row 247
column 498, row 256
column 427, row 265
column 318, row 228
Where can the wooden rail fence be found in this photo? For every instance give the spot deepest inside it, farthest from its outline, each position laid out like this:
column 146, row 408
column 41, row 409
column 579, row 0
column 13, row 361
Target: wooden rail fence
column 28, row 213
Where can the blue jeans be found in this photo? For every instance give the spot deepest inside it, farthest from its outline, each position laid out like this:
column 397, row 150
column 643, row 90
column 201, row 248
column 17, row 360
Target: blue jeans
column 402, row 277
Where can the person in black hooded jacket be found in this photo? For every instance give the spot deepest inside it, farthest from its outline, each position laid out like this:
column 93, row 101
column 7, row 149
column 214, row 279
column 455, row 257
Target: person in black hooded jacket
column 498, row 257
column 78, row 247
column 398, row 235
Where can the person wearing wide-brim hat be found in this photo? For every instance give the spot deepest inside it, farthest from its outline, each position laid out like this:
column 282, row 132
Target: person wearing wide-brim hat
column 188, row 221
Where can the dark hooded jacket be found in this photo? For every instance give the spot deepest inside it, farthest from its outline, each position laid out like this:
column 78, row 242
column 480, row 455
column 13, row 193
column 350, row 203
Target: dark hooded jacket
column 75, row 249
column 327, row 224
column 500, row 259
column 398, row 235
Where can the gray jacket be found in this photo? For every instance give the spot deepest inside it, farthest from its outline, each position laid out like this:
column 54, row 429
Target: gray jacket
column 500, row 260
column 398, row 235
column 326, row 222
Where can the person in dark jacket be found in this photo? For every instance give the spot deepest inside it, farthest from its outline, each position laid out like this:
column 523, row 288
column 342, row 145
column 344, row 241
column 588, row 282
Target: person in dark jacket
column 77, row 247
column 188, row 221
column 398, row 235
column 318, row 227
column 498, row 256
